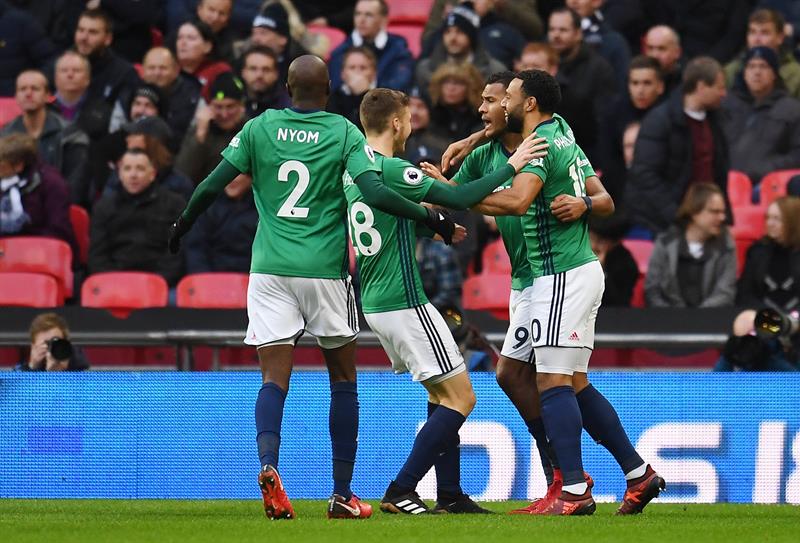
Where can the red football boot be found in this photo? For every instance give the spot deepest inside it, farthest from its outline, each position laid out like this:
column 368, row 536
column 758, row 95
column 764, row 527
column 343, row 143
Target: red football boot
column 338, row 507
column 640, row 491
column 569, row 504
column 276, row 502
column 553, row 492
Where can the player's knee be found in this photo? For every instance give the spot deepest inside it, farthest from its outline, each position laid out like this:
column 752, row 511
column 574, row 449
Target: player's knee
column 545, row 381
column 468, row 400
column 504, row 376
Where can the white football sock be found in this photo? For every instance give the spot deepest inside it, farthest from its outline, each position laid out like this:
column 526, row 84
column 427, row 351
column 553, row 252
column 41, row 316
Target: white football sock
column 636, row 473
column 577, row 488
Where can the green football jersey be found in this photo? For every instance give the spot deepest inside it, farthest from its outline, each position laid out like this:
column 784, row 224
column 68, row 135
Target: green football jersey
column 555, row 246
column 297, row 160
column 385, row 245
column 483, row 160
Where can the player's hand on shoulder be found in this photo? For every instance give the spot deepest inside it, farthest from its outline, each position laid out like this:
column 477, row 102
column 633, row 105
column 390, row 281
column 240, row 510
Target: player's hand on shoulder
column 432, row 171
column 441, row 223
column 531, row 148
column 457, row 151
column 567, row 208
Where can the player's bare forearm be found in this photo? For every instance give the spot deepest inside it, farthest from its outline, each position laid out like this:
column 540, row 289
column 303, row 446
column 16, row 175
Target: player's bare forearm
column 464, row 196
column 602, row 203
column 514, row 200
column 458, row 151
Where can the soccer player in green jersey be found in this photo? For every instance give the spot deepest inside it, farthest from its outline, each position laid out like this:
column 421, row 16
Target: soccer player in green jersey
column 299, row 281
column 411, row 330
column 516, row 371
column 567, row 289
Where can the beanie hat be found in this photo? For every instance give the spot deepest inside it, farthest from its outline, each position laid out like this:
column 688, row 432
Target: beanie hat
column 465, row 19
column 767, row 54
column 152, row 93
column 273, row 17
column 226, row 85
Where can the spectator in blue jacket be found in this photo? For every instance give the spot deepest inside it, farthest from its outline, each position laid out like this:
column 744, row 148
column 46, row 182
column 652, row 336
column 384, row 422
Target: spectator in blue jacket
column 395, row 63
column 222, row 239
column 24, row 46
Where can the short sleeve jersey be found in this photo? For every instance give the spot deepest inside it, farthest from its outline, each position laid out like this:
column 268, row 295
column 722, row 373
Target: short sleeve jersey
column 555, row 246
column 482, row 161
column 385, row 245
column 297, row 160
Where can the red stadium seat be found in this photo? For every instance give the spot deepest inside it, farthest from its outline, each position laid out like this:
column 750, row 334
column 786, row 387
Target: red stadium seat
column 409, row 11
column 637, row 298
column 29, row 290
column 122, row 292
column 39, row 255
column 9, row 110
column 334, row 35
column 80, row 226
column 412, row 34
column 213, row 290
column 640, row 249
column 488, row 292
column 495, row 258
column 773, row 185
column 740, row 189
column 748, row 222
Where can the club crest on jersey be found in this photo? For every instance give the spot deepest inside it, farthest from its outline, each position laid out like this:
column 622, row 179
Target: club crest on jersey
column 412, row 176
column 234, row 142
column 537, row 162
column 370, row 153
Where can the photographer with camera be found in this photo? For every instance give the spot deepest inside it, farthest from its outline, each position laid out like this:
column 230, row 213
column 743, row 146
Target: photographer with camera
column 769, row 339
column 51, row 349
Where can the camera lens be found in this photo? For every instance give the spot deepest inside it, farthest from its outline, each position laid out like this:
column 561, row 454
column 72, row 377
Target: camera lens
column 60, row 349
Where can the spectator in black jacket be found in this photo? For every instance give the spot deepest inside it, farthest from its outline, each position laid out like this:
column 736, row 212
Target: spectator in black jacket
column 663, row 44
column 459, row 44
column 619, row 266
column 262, row 86
column 72, row 101
column 222, row 238
column 423, row 145
column 111, row 74
column 771, row 275
column 182, row 92
column 680, row 142
column 715, row 28
column 359, row 73
column 24, row 46
column 645, row 88
column 605, row 40
column 395, row 64
column 271, row 29
column 129, row 230
column 761, row 120
column 61, row 144
column 587, row 80
column 46, row 328
column 502, row 40
column 217, row 15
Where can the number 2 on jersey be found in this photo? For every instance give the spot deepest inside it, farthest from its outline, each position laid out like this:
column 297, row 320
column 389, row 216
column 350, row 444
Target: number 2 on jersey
column 288, row 208
column 363, row 229
column 578, row 179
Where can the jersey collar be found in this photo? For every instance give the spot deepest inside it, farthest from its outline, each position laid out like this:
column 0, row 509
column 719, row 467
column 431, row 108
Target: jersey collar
column 298, row 110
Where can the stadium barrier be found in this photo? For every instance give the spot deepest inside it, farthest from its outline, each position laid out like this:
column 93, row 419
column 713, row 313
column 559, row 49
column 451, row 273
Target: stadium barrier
column 714, row 437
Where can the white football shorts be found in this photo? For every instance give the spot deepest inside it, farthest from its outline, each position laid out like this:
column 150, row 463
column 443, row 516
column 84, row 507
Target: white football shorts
column 418, row 341
column 518, row 344
column 281, row 308
column 563, row 315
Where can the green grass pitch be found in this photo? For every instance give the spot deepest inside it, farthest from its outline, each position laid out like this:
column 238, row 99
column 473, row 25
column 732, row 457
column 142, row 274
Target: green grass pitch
column 87, row 521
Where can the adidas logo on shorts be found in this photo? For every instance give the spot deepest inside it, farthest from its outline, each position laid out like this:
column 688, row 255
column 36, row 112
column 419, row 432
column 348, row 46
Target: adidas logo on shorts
column 574, row 336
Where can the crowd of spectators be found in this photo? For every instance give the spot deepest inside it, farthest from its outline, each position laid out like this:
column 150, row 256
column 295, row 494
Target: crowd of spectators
column 125, row 107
